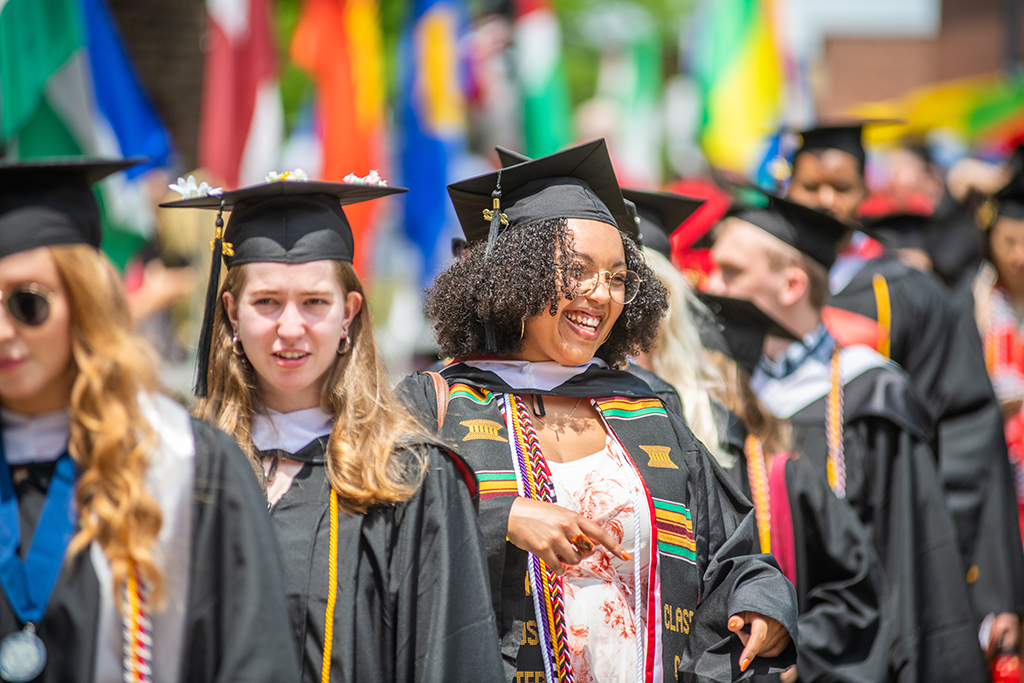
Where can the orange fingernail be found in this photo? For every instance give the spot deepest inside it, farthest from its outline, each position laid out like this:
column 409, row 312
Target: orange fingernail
column 744, row 663
column 734, row 623
column 626, row 556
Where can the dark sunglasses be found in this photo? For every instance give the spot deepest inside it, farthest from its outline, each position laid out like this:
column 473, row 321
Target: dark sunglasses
column 29, row 304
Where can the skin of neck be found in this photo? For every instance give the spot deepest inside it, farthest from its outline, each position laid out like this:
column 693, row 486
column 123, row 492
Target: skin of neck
column 801, row 318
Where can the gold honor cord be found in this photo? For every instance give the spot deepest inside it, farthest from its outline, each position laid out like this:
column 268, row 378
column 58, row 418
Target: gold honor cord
column 884, row 307
column 836, row 466
column 757, row 475
column 332, row 592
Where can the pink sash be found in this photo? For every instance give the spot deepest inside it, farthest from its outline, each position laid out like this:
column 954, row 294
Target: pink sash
column 782, row 518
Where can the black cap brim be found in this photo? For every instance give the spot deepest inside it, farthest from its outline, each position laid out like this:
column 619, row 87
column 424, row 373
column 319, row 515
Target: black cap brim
column 346, row 193
column 743, row 327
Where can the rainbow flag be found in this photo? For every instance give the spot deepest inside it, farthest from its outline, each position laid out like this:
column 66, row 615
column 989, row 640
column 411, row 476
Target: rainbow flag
column 984, row 111
column 737, row 64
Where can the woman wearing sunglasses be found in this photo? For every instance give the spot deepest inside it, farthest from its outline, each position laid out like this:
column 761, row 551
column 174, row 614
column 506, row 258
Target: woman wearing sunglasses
column 133, row 545
column 384, row 569
column 618, row 549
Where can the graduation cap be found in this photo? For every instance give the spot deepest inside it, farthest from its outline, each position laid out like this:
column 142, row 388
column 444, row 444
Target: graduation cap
column 742, row 327
column 846, row 136
column 46, row 202
column 812, row 232
column 1009, row 200
column 901, row 230
column 508, row 157
column 282, row 221
column 660, row 214
column 578, row 182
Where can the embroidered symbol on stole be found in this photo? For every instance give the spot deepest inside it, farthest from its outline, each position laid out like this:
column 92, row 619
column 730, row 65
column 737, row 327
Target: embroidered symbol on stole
column 659, row 457
column 483, row 429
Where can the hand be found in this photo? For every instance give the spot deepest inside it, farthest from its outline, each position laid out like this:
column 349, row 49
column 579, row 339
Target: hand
column 767, row 637
column 1004, row 629
column 790, row 675
column 547, row 531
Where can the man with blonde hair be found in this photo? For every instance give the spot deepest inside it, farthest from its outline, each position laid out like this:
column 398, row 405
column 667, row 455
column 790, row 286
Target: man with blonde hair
column 857, row 417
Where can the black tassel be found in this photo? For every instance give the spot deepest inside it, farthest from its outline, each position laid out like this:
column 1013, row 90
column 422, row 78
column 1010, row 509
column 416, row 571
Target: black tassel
column 492, row 238
column 206, row 333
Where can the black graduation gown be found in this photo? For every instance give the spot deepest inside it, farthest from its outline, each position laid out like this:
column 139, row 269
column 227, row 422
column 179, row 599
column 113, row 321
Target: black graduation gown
column 236, row 626
column 842, row 635
column 937, row 343
column 892, row 484
column 729, row 570
column 412, row 593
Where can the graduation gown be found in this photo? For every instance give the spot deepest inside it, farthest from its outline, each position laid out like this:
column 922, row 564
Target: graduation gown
column 413, row 602
column 223, row 582
column 842, row 634
column 892, row 484
column 937, row 343
column 723, row 573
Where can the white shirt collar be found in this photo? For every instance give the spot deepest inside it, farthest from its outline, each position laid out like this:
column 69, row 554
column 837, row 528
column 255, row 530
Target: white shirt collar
column 289, row 432
column 35, row 438
column 524, row 374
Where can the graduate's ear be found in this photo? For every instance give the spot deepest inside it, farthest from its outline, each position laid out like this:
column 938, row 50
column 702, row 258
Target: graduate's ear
column 230, row 309
column 795, row 285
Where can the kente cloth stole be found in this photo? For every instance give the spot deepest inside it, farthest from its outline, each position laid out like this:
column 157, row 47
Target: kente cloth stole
column 641, row 429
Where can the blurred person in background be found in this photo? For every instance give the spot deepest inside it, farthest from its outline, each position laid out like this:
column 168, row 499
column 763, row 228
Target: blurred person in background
column 857, row 418
column 135, row 543
column 609, row 559
column 383, row 567
column 919, row 327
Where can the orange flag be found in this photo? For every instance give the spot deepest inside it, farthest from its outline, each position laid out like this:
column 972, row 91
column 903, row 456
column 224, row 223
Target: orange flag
column 338, row 43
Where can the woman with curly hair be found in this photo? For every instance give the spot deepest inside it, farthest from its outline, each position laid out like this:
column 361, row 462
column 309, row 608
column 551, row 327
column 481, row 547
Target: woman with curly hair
column 618, row 549
column 134, row 545
column 384, row 570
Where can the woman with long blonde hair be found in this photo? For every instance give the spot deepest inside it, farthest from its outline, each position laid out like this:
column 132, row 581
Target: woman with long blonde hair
column 132, row 542
column 384, row 569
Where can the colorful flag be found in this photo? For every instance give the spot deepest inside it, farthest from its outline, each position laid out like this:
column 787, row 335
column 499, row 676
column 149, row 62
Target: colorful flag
column 547, row 109
column 433, row 125
column 737, row 63
column 338, row 42
column 67, row 87
column 242, row 120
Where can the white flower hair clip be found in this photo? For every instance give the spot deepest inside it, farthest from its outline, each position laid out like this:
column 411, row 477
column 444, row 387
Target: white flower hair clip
column 371, row 178
column 296, row 176
column 189, row 190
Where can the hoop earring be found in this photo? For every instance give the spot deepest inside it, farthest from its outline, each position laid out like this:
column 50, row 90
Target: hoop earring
column 522, row 328
column 342, row 350
column 236, row 345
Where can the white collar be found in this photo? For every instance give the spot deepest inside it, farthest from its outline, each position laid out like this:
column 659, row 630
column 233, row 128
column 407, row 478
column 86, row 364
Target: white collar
column 524, row 374
column 289, row 432
column 35, row 438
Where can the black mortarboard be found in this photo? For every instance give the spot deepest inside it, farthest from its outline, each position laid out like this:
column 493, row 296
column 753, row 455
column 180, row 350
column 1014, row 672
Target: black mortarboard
column 812, row 232
column 281, row 221
column 1009, row 201
column 660, row 214
column 46, row 202
column 846, row 137
column 508, row 157
column 743, row 327
column 901, row 230
column 575, row 183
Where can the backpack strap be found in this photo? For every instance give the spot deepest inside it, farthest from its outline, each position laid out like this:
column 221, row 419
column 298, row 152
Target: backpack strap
column 441, row 390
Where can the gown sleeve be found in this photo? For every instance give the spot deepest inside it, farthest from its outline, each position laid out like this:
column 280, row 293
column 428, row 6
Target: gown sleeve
column 839, row 584
column 237, row 625
column 445, row 627
column 734, row 575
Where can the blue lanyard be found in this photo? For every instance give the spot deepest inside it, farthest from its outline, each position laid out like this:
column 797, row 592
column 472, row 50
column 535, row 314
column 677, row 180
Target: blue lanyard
column 28, row 584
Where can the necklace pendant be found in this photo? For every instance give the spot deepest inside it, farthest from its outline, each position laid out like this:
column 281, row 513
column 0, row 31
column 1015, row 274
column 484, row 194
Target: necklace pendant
column 22, row 655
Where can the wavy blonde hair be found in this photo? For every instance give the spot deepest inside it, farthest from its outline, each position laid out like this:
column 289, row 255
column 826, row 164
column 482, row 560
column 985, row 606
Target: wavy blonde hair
column 678, row 356
column 774, row 433
column 369, row 423
column 110, row 437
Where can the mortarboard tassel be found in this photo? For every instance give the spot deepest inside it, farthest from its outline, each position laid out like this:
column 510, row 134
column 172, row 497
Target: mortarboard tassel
column 206, row 333
column 495, row 216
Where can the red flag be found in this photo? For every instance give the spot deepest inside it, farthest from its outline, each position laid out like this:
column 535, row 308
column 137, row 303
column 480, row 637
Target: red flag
column 241, row 121
column 338, row 43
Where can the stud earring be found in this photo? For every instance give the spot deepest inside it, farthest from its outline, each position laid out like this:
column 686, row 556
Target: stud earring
column 236, row 345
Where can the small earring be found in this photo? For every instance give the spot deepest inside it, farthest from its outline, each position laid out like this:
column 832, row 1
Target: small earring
column 236, row 345
column 342, row 350
column 522, row 329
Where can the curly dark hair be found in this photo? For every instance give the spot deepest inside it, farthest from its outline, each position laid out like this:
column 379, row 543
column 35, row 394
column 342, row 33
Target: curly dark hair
column 519, row 281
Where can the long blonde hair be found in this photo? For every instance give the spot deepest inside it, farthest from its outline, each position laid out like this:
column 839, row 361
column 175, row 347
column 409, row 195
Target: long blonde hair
column 774, row 433
column 678, row 357
column 368, row 421
column 110, row 437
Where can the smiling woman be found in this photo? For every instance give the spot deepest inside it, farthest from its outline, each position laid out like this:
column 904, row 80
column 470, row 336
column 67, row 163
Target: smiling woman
column 606, row 522
column 367, row 508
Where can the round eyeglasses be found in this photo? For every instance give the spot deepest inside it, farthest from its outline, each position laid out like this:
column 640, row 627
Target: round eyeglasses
column 623, row 285
column 28, row 304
